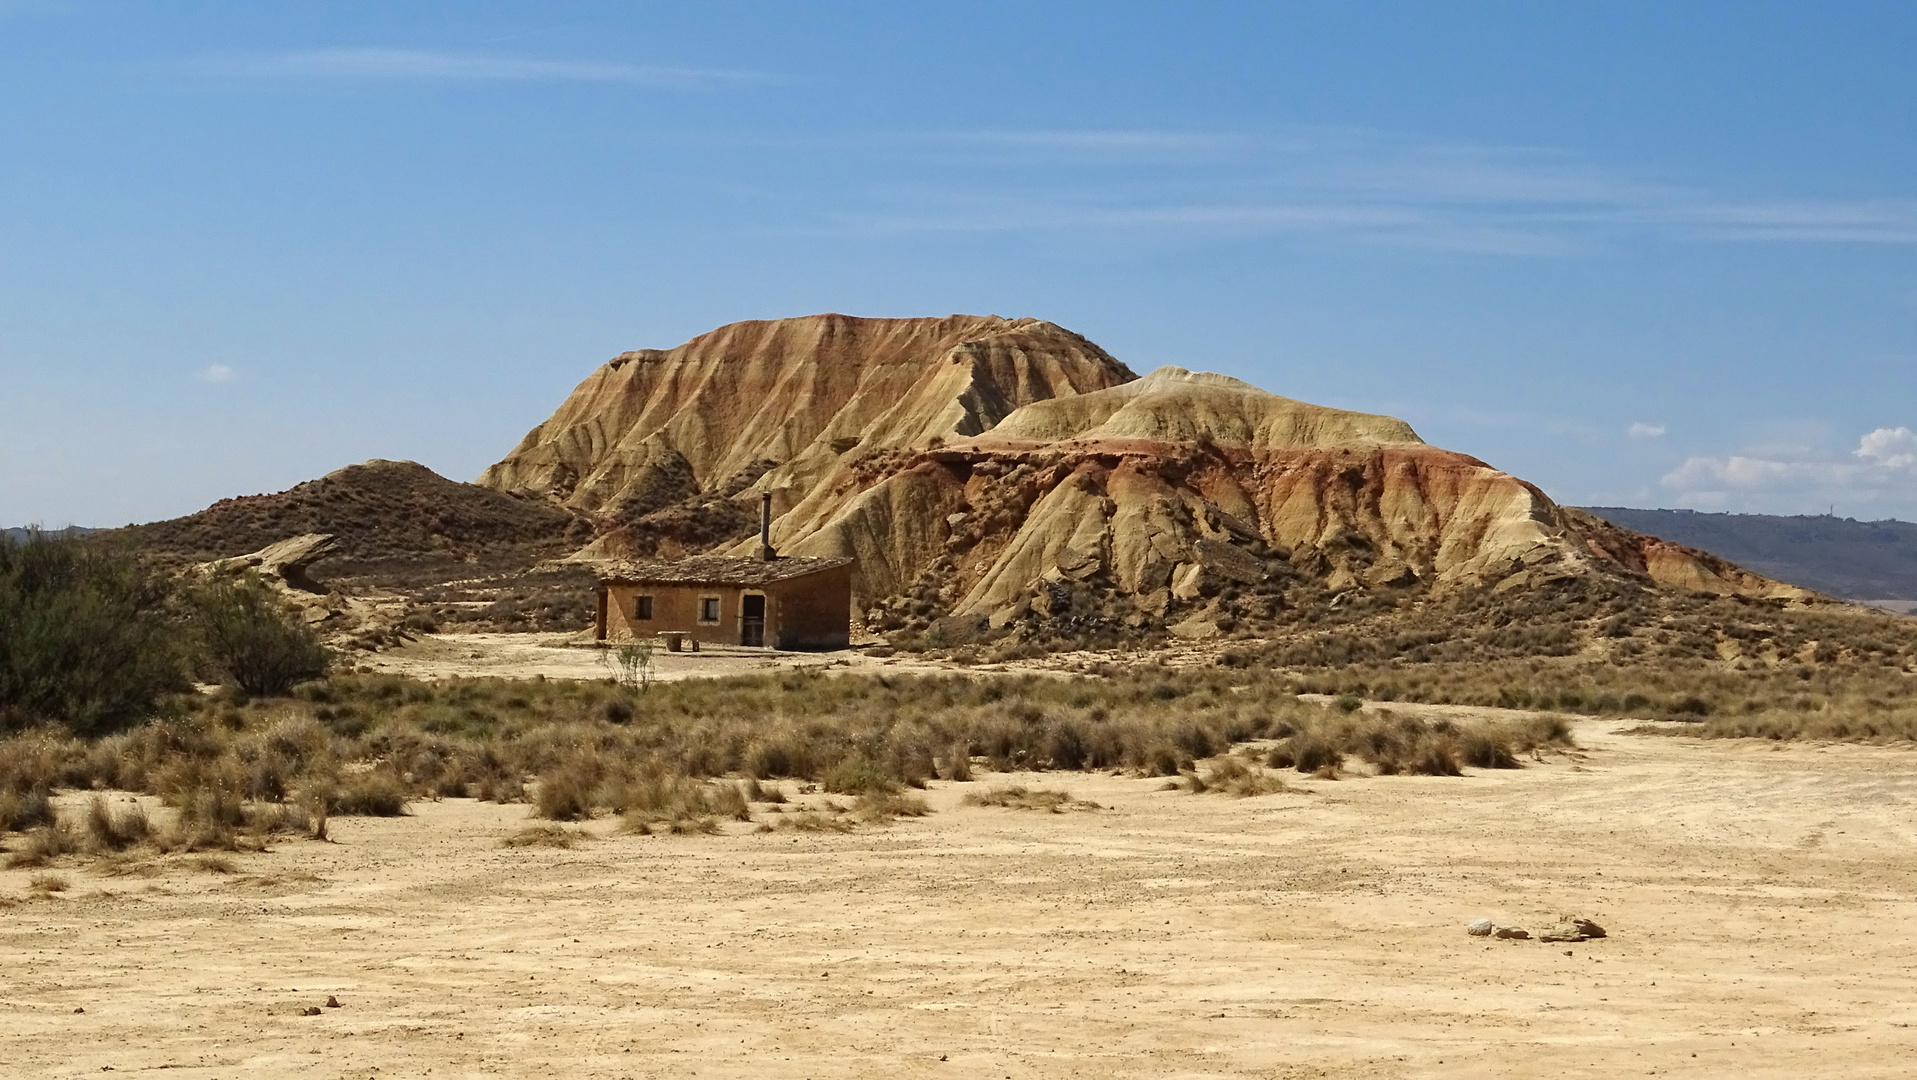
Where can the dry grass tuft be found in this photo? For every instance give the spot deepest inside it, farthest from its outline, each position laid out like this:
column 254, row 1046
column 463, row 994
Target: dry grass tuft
column 553, row 836
column 108, row 832
column 1020, row 797
column 374, row 793
column 809, row 821
column 127, row 864
column 277, row 879
column 23, row 810
column 45, row 844
column 880, row 807
column 44, row 884
column 1230, row 776
column 756, row 792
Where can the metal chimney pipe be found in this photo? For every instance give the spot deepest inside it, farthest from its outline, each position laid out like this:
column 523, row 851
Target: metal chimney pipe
column 765, row 527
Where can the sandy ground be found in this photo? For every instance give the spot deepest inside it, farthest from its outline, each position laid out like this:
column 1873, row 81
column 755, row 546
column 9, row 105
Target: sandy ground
column 522, row 656
column 1761, row 902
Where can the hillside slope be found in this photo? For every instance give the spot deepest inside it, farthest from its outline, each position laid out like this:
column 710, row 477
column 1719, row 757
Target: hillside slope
column 1201, row 502
column 1858, row 560
column 776, row 404
column 393, row 520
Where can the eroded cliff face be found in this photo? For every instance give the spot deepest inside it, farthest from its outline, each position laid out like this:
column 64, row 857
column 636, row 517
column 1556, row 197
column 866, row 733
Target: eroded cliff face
column 775, row 405
column 1200, row 500
column 1001, row 470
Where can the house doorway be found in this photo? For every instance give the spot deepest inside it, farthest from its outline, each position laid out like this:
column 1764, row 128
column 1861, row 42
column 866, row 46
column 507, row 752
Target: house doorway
column 752, row 620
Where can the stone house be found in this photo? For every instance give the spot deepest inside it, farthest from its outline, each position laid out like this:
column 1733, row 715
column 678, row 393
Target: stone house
column 787, row 603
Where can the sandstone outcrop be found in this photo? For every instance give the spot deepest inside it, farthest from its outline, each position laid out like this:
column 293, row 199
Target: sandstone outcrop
column 284, row 562
column 992, row 470
column 1182, row 486
column 784, row 401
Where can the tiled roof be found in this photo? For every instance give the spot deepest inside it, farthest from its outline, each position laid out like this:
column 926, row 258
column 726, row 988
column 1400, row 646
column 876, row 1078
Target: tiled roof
column 714, row 570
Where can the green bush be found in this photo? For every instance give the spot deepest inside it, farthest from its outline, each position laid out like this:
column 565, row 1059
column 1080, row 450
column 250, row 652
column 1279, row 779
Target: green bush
column 84, row 641
column 250, row 636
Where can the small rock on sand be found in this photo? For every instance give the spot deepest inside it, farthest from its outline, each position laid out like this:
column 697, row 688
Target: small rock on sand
column 1572, row 929
column 1514, row 933
column 1479, row 928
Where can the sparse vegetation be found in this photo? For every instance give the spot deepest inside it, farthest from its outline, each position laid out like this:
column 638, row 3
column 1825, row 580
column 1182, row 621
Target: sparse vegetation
column 1020, row 797
column 43, row 884
column 1231, row 776
column 546, row 835
column 85, row 641
column 248, row 635
column 686, row 757
column 631, row 663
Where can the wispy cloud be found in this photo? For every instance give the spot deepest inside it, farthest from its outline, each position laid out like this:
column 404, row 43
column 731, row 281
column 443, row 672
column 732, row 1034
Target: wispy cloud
column 420, row 64
column 218, row 373
column 1873, row 221
column 1642, row 430
column 1363, row 186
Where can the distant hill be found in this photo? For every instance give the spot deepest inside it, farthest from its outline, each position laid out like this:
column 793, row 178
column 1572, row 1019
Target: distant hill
column 1857, row 560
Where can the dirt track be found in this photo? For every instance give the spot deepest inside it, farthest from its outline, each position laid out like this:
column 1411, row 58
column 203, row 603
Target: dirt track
column 1760, row 902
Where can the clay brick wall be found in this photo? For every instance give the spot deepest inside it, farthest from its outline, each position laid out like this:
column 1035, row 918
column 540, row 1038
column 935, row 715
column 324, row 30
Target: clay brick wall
column 813, row 612
column 674, row 607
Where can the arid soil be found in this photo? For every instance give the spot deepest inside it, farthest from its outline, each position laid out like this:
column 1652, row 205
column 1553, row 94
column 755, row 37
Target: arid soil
column 524, row 656
column 1759, row 900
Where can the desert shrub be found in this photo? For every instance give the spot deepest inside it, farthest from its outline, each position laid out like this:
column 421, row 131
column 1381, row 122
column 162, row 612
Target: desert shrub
column 956, row 764
column 20, row 811
column 107, row 831
column 1230, row 776
column 45, row 844
column 679, row 803
column 269, row 819
column 1313, row 752
column 250, row 636
column 206, row 793
column 1486, row 750
column 85, row 642
column 856, row 776
column 372, row 793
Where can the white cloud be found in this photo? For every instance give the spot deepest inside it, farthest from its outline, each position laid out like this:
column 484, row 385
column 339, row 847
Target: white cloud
column 1641, row 430
column 1892, row 448
column 218, row 373
column 1881, row 473
column 466, row 67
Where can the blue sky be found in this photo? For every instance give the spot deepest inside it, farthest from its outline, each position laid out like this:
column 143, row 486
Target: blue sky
column 1640, row 254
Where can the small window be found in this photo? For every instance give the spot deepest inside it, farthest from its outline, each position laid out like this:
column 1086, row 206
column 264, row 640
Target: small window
column 642, row 609
column 708, row 609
